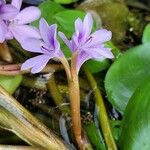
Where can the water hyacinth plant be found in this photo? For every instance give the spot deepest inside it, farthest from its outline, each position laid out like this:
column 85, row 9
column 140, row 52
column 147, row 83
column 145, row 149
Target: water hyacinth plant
column 60, row 88
column 83, row 46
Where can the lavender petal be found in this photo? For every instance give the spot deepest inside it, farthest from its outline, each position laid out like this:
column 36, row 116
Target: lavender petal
column 28, row 15
column 88, row 24
column 100, row 37
column 66, row 41
column 43, row 27
column 79, row 26
column 17, row 3
column 2, row 2
column 3, row 31
column 99, row 52
column 36, row 63
column 82, row 58
column 8, row 12
column 32, row 45
column 24, row 31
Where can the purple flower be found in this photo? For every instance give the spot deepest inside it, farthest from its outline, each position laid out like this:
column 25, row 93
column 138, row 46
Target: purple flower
column 85, row 45
column 48, row 47
column 13, row 22
column 6, row 12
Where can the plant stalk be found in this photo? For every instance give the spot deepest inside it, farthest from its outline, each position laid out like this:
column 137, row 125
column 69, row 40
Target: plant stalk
column 74, row 94
column 57, row 97
column 102, row 114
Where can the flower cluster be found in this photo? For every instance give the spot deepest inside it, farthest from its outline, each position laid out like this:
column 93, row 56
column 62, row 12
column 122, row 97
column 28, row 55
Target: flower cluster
column 85, row 45
column 14, row 22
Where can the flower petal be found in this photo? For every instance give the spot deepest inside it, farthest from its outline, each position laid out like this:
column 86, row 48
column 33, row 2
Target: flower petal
column 66, row 41
column 79, row 35
column 87, row 24
column 82, row 58
column 9, row 35
column 3, row 31
column 24, row 31
column 17, row 3
column 52, row 31
column 43, row 27
column 100, row 37
column 36, row 63
column 32, row 45
column 52, row 35
column 99, row 52
column 2, row 2
column 8, row 12
column 28, row 15
column 79, row 25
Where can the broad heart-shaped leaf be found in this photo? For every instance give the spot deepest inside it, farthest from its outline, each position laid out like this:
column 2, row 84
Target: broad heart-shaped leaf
column 10, row 83
column 48, row 10
column 146, row 34
column 126, row 74
column 67, row 18
column 136, row 124
column 97, row 66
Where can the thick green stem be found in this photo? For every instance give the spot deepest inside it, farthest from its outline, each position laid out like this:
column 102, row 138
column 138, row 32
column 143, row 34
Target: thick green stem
column 94, row 136
column 102, row 114
column 57, row 97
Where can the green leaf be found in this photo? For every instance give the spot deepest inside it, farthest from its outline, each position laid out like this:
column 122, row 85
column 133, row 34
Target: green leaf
column 97, row 66
column 67, row 18
column 10, row 83
column 136, row 124
column 48, row 10
column 116, row 128
column 94, row 136
column 126, row 74
column 146, row 34
column 65, row 1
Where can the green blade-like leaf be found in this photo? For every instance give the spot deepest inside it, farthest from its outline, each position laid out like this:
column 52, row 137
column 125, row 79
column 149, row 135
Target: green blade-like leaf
column 126, row 74
column 146, row 34
column 136, row 124
column 10, row 83
column 14, row 117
